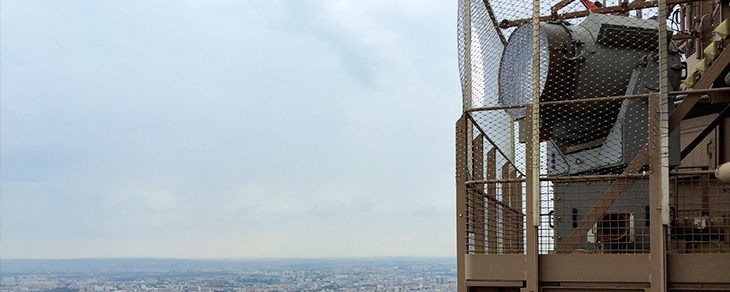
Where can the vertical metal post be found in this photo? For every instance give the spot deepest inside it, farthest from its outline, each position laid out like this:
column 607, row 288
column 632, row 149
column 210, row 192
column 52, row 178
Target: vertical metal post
column 467, row 104
column 664, row 114
column 461, row 178
column 463, row 156
column 659, row 163
column 508, row 215
column 467, row 97
column 512, row 140
column 476, row 193
column 493, row 219
column 533, row 159
column 657, row 200
column 534, row 118
column 532, row 196
column 467, row 55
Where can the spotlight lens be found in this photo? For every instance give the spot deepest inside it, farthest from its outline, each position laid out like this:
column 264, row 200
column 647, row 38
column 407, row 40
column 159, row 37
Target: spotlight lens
column 515, row 71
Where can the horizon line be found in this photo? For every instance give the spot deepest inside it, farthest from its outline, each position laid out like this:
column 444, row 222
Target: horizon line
column 233, row 259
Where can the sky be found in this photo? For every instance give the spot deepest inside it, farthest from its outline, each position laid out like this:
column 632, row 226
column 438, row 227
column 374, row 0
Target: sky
column 227, row 129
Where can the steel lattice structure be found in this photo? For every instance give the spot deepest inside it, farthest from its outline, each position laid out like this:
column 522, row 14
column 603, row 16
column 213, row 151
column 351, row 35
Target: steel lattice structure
column 589, row 148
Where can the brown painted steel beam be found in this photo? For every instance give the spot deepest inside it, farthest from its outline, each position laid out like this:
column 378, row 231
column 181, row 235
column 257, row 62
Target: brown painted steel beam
column 491, row 173
column 462, row 174
column 516, row 201
column 477, row 197
column 502, row 203
column 508, row 221
column 497, row 181
column 614, row 272
column 595, row 99
column 493, row 18
column 612, row 9
column 704, row 83
column 560, row 5
column 696, row 90
column 593, row 177
column 532, row 197
column 658, row 186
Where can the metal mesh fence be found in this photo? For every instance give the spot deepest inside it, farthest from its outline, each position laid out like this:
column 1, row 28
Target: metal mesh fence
column 491, row 25
column 495, row 217
column 699, row 214
column 591, row 201
column 603, row 103
column 495, row 201
column 595, row 215
column 479, row 49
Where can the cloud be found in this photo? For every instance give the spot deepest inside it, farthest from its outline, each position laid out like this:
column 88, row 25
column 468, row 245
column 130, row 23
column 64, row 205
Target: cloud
column 227, row 128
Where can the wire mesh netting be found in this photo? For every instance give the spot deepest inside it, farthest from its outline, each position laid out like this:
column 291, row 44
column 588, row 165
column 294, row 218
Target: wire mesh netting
column 595, row 215
column 699, row 219
column 495, row 201
column 495, row 220
column 590, row 71
column 594, row 192
column 491, row 25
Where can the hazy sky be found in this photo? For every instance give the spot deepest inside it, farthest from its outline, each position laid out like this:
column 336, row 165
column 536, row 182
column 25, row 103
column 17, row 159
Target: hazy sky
column 228, row 129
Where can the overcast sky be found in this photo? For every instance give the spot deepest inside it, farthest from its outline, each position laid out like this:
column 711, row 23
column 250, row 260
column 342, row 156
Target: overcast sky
column 228, row 129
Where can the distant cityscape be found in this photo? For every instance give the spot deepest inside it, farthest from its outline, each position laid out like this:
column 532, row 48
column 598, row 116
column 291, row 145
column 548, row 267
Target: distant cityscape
column 270, row 275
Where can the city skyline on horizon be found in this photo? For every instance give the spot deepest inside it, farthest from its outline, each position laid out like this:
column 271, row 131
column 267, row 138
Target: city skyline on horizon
column 349, row 276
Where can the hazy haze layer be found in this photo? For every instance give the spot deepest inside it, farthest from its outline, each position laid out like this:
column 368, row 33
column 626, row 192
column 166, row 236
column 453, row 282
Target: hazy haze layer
column 227, row 129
